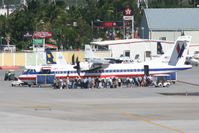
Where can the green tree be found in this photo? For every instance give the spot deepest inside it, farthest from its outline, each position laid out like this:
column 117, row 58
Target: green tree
column 44, row 15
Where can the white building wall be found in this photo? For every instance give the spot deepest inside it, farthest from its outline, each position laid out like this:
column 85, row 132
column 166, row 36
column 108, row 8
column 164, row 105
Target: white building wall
column 138, row 48
column 3, row 11
column 116, row 51
column 170, row 35
column 194, row 43
column 195, row 36
column 102, row 53
column 192, row 49
column 173, row 35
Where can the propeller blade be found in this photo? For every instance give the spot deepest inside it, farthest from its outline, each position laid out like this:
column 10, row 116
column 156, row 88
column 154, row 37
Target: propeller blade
column 73, row 59
column 78, row 72
column 77, row 66
column 77, row 60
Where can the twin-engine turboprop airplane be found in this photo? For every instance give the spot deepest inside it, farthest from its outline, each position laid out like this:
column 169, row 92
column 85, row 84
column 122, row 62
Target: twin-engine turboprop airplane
column 170, row 62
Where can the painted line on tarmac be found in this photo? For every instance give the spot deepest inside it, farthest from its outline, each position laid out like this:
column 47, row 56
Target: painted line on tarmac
column 151, row 122
column 194, row 84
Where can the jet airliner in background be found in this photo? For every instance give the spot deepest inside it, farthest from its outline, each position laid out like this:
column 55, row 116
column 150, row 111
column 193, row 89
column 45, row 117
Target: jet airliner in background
column 89, row 56
column 170, row 62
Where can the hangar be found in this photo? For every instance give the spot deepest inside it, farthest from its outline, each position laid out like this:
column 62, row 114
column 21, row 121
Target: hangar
column 169, row 23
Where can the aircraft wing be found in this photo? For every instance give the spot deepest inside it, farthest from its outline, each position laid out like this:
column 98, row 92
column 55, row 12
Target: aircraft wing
column 114, row 60
column 93, row 65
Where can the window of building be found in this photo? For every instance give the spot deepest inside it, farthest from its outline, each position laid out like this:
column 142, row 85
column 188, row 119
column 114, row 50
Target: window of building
column 127, row 53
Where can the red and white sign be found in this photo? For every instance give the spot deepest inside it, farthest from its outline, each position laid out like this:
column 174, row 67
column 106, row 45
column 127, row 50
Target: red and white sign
column 127, row 17
column 51, row 46
column 42, row 35
column 127, row 12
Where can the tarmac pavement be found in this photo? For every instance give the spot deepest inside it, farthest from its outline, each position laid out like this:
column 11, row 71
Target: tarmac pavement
column 120, row 110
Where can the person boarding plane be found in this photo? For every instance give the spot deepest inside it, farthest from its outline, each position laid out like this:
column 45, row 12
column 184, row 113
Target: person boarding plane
column 170, row 62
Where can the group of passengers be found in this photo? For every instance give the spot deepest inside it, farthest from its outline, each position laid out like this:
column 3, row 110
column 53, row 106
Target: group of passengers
column 101, row 82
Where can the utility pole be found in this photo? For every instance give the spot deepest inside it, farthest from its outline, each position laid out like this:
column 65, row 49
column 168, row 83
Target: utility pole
column 1, row 41
column 194, row 5
column 52, row 1
column 139, row 2
column 181, row 3
column 24, row 2
column 2, row 2
column 7, row 7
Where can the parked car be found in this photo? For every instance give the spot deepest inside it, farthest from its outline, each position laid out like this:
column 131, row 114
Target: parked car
column 192, row 61
column 196, row 55
column 161, row 81
column 163, row 84
column 10, row 75
column 18, row 82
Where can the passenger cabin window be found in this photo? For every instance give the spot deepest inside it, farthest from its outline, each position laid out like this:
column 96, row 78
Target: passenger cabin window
column 30, row 71
column 45, row 71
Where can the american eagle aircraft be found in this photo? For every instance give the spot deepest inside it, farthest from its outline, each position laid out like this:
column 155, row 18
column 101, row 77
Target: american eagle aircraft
column 170, row 62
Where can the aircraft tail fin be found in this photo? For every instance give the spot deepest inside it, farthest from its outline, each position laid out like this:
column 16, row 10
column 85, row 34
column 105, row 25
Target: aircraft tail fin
column 59, row 59
column 49, row 57
column 179, row 52
column 88, row 52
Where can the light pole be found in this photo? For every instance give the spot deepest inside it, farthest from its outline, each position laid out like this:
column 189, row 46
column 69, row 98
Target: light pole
column 142, row 32
column 41, row 22
column 1, row 42
column 27, row 36
column 1, row 39
column 194, row 4
column 124, row 31
column 8, row 42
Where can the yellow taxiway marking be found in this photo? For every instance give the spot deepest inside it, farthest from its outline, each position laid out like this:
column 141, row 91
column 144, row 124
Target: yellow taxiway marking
column 149, row 121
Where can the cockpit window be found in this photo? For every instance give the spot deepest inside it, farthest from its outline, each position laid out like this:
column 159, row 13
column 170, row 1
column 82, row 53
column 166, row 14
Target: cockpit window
column 30, row 71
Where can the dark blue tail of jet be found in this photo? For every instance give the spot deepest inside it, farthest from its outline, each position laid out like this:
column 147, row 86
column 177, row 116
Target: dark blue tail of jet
column 49, row 57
